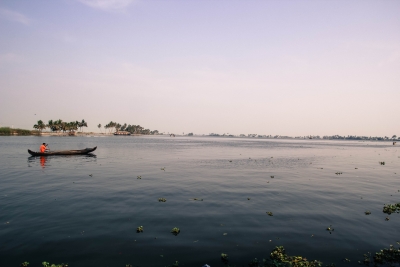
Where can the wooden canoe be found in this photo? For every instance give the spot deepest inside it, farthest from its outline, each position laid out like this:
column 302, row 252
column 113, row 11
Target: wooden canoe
column 63, row 152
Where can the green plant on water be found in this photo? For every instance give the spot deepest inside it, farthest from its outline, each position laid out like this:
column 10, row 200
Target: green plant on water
column 24, row 264
column 128, row 265
column 330, row 229
column 382, row 162
column 162, row 200
column 389, row 255
column 391, row 208
column 224, row 257
column 139, row 229
column 176, row 264
column 175, row 231
column 367, row 212
column 139, row 177
column 46, row 264
column 279, row 258
column 270, row 213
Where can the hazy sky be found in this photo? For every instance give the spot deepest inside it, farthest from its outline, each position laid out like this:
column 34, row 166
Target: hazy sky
column 265, row 67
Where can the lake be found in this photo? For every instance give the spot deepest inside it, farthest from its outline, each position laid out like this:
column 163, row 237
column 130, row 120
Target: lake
column 84, row 210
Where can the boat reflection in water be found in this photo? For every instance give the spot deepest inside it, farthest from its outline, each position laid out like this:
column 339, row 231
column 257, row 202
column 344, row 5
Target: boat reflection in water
column 44, row 161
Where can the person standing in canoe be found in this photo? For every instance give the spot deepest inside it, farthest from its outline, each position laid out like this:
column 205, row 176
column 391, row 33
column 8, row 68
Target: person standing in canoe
column 43, row 148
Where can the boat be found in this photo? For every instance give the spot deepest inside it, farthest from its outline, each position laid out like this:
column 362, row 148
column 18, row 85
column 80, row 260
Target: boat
column 63, row 152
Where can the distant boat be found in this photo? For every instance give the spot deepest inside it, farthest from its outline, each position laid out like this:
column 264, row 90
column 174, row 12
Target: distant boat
column 63, row 152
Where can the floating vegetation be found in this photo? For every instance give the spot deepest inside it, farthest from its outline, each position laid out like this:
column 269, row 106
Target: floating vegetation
column 387, row 218
column 391, row 208
column 330, row 229
column 46, row 264
column 338, row 173
column 162, row 200
column 225, row 234
column 280, row 258
column 139, row 229
column 139, row 177
column 367, row 212
column 382, row 162
column 24, row 264
column 196, row 199
column 248, row 198
column 175, row 231
column 128, row 265
column 163, row 169
column 270, row 213
column 346, row 260
column 272, row 176
column 176, row 264
column 224, row 257
column 387, row 255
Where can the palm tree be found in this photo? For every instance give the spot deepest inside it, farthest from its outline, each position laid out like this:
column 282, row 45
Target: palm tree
column 40, row 126
column 99, row 126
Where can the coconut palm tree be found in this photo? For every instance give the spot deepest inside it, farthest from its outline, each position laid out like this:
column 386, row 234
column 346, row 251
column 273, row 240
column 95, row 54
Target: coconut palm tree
column 99, row 126
column 40, row 126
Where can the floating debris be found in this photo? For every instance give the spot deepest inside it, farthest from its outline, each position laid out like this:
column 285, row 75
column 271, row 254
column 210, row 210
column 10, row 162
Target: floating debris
column 163, row 169
column 196, row 199
column 382, row 162
column 387, row 218
column 175, row 231
column 338, row 173
column 367, row 212
column 248, row 198
column 128, row 265
column 25, row 264
column 139, row 229
column 225, row 234
column 162, row 200
column 272, row 176
column 270, row 213
column 139, row 177
column 391, row 208
column 346, row 260
column 91, row 175
column 224, row 257
column 230, row 161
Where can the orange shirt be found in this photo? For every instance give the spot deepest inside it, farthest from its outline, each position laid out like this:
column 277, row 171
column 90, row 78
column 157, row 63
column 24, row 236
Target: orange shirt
column 42, row 148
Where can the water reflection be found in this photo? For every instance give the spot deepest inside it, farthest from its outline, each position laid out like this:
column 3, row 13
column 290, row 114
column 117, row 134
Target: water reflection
column 44, row 161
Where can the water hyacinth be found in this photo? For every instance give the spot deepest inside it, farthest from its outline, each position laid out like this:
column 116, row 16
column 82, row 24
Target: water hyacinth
column 162, row 200
column 139, row 229
column 175, row 231
column 391, row 208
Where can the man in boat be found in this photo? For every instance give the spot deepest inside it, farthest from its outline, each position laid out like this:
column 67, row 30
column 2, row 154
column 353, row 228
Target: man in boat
column 43, row 148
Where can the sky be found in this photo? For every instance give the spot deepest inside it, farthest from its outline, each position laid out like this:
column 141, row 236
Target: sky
column 240, row 67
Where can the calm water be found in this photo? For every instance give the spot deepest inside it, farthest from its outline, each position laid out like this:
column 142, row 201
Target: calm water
column 53, row 210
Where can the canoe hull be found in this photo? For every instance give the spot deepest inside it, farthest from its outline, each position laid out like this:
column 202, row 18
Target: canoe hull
column 63, row 152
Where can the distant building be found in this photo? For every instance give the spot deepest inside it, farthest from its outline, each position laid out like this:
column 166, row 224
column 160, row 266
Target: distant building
column 122, row 133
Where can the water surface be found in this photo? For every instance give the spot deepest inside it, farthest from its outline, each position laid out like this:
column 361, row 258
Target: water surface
column 84, row 210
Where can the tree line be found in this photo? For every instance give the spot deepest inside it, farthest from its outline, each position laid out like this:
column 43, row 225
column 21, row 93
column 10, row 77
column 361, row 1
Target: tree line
column 133, row 129
column 60, row 125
